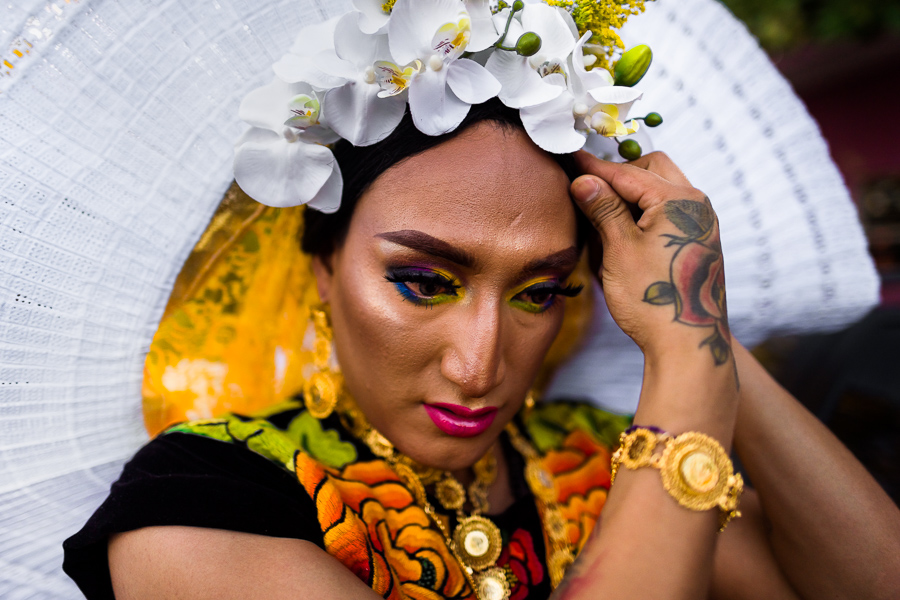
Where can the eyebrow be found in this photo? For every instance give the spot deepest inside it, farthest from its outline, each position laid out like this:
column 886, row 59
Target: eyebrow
column 422, row 242
column 564, row 260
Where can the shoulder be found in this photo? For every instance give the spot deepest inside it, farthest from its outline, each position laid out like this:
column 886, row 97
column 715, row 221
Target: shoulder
column 233, row 474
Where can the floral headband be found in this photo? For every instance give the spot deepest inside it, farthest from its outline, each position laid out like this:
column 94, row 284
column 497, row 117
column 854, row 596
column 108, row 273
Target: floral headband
column 352, row 77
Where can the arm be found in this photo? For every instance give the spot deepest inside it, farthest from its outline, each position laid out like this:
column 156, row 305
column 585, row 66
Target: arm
column 193, row 563
column 832, row 529
column 648, row 545
column 819, row 525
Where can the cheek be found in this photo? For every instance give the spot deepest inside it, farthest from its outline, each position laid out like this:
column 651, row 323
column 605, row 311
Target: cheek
column 531, row 338
column 378, row 343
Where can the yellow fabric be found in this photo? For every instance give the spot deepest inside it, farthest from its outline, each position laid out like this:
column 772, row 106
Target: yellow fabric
column 237, row 334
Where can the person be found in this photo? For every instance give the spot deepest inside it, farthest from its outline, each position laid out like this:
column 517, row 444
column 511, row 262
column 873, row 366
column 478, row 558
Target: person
column 445, row 272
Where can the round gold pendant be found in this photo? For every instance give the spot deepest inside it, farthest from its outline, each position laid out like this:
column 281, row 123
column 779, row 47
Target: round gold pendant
column 478, row 541
column 492, row 584
column 450, row 493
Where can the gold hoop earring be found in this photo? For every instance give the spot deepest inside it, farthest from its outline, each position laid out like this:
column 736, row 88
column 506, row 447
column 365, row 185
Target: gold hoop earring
column 320, row 392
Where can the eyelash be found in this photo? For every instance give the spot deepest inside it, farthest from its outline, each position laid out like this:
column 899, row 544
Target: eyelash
column 449, row 289
column 552, row 288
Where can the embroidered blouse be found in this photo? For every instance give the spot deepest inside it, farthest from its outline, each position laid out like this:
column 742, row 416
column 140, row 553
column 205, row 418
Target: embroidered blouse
column 286, row 474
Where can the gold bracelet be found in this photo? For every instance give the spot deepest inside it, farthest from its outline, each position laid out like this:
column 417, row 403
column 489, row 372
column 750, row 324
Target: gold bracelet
column 695, row 469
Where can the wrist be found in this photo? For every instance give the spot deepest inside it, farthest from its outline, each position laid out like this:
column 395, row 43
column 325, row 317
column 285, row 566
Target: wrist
column 688, row 392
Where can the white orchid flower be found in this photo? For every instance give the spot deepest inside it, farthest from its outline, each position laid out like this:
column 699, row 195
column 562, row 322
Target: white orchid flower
column 484, row 34
column 524, row 79
column 353, row 104
column 591, row 104
column 427, row 39
column 311, row 59
column 370, row 16
column 281, row 160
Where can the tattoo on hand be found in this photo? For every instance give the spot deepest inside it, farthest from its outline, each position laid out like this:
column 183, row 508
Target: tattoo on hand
column 696, row 283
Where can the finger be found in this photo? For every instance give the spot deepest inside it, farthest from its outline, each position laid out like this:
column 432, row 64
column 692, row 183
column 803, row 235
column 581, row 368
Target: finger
column 662, row 165
column 605, row 209
column 631, row 183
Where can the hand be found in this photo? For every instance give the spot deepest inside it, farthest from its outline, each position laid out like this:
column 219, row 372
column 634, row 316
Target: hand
column 662, row 275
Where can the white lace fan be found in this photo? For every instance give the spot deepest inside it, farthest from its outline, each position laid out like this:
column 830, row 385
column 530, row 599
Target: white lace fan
column 117, row 120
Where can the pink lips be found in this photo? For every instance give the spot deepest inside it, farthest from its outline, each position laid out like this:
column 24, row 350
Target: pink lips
column 459, row 421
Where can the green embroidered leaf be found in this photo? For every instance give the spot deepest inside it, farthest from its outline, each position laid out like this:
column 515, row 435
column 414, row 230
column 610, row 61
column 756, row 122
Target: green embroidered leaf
column 327, row 447
column 549, row 424
column 260, row 436
column 660, row 293
column 216, row 429
column 690, row 216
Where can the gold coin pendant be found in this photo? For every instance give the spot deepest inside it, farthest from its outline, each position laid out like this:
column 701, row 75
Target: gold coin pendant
column 478, row 540
column 492, row 585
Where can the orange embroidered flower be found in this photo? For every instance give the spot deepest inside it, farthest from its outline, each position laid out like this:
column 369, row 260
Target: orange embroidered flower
column 581, row 468
column 372, row 524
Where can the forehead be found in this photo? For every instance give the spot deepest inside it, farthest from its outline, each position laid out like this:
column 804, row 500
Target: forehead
column 489, row 187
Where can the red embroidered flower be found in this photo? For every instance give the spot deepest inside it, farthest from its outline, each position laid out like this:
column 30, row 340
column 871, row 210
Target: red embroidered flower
column 522, row 560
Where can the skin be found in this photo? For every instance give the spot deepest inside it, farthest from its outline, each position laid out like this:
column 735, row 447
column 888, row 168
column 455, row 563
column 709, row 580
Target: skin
column 818, row 527
column 479, row 350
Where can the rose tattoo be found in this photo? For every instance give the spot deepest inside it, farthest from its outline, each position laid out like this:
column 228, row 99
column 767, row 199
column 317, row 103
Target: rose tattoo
column 696, row 283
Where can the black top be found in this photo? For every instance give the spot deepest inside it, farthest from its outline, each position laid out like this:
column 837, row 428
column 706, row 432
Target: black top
column 182, row 479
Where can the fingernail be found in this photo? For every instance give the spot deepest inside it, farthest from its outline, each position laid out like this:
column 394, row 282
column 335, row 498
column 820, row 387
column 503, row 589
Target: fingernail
column 587, row 189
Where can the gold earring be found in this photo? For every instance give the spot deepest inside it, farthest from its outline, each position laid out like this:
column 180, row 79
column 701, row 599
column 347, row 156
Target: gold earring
column 320, row 392
column 529, row 402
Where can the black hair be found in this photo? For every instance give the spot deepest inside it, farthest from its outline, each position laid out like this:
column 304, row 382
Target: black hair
column 361, row 166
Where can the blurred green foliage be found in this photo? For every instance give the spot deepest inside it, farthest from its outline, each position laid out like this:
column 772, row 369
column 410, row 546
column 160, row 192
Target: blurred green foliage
column 782, row 24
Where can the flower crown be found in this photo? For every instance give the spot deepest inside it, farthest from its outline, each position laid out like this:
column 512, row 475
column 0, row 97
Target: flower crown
column 353, row 76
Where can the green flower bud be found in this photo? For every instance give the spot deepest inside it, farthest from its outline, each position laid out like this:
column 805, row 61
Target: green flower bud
column 630, row 150
column 529, row 44
column 654, row 119
column 633, row 65
column 518, row 5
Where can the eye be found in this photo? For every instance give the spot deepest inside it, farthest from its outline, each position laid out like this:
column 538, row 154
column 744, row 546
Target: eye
column 422, row 286
column 429, row 288
column 542, row 296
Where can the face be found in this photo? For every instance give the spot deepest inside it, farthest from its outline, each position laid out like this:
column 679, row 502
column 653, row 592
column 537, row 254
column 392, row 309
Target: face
column 448, row 291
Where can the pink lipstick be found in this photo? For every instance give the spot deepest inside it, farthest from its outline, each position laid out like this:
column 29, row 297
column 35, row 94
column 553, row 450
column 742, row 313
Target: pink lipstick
column 459, row 421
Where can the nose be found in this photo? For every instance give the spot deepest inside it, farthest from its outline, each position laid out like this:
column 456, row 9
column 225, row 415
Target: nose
column 473, row 359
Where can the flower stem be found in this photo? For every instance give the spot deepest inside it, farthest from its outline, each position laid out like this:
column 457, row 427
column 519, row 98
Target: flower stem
column 499, row 43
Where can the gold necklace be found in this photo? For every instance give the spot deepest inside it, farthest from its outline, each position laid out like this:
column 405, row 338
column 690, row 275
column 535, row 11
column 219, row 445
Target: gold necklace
column 476, row 542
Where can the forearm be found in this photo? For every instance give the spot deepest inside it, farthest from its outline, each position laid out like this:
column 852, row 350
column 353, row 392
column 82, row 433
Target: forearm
column 649, row 546
column 834, row 532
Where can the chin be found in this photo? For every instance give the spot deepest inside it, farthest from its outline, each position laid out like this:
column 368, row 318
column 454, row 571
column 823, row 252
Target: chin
column 438, row 450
